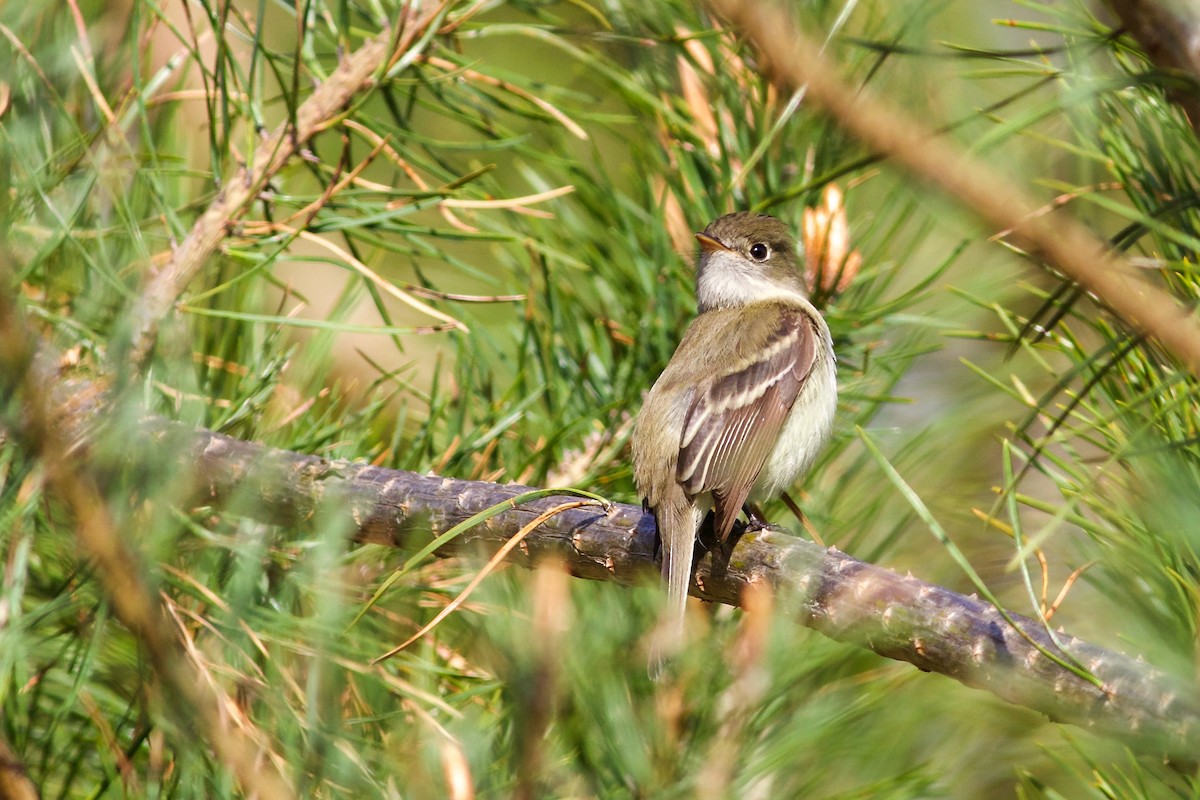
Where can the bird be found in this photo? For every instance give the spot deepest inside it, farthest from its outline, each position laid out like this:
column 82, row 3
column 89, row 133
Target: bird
column 743, row 407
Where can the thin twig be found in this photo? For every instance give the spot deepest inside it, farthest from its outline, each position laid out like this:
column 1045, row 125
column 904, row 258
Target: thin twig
column 197, row 704
column 374, row 277
column 497, row 558
column 355, row 73
column 1058, row 240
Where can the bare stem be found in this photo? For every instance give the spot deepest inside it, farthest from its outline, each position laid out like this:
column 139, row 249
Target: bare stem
column 1057, row 240
column 357, row 72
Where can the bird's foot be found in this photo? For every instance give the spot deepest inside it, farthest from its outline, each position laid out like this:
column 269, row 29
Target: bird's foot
column 755, row 521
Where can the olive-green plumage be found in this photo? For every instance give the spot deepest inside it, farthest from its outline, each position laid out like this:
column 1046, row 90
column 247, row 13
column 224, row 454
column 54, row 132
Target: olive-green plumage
column 745, row 403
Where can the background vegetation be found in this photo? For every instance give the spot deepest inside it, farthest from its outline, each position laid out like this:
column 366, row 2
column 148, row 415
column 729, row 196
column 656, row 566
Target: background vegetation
column 390, row 297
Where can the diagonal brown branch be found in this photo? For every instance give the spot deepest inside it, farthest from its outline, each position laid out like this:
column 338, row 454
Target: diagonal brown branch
column 357, row 72
column 1060, row 241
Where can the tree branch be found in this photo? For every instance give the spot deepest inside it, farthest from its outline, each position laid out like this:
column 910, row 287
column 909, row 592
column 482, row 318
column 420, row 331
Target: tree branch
column 899, row 617
column 355, row 73
column 1058, row 240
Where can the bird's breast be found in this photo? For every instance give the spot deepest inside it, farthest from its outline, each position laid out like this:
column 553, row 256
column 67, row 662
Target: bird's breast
column 804, row 434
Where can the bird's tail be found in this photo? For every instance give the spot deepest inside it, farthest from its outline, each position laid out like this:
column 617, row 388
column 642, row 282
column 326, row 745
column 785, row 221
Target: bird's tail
column 677, row 526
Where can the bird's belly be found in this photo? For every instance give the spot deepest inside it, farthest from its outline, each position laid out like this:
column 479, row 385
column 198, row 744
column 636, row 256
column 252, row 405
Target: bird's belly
column 804, row 434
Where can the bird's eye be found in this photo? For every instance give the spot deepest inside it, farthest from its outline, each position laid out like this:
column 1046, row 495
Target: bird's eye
column 759, row 251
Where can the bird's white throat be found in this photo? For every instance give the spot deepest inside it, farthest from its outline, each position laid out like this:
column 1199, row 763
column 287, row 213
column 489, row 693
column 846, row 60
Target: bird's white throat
column 728, row 279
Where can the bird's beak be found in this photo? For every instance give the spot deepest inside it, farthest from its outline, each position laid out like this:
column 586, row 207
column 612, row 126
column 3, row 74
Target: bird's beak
column 708, row 244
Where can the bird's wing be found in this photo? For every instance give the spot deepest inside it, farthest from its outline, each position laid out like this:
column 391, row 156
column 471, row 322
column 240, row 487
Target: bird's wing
column 736, row 417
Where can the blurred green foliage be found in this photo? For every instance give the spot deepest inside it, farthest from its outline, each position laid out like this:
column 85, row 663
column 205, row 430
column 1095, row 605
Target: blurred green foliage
column 974, row 371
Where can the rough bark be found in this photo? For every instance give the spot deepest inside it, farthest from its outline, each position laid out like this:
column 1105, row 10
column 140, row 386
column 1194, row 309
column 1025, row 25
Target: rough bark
column 899, row 617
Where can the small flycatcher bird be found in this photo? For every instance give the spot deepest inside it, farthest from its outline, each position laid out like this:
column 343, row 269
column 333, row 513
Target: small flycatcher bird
column 745, row 404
